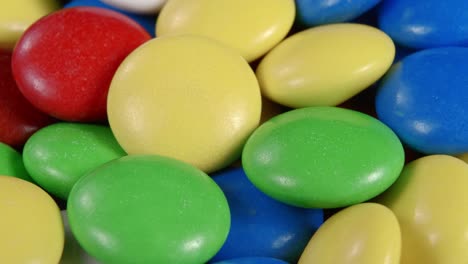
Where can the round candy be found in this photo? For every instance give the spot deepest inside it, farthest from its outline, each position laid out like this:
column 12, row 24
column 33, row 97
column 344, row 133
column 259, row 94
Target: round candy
column 425, row 23
column 64, row 63
column 323, row 157
column 30, row 224
column 252, row 260
column 11, row 163
column 148, row 209
column 261, row 226
column 429, row 202
column 57, row 156
column 366, row 233
column 137, row 6
column 252, row 27
column 325, row 65
column 18, row 118
column 146, row 21
column 318, row 12
column 424, row 100
column 186, row 97
column 16, row 16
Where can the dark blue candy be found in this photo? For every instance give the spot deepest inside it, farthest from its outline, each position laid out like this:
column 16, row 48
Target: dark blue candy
column 425, row 23
column 424, row 99
column 318, row 12
column 262, row 226
column 254, row 260
column 146, row 21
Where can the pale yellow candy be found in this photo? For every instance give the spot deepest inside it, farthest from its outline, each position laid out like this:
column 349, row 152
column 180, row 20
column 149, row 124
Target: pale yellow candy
column 186, row 97
column 325, row 65
column 464, row 157
column 31, row 229
column 252, row 27
column 366, row 233
column 430, row 200
column 17, row 15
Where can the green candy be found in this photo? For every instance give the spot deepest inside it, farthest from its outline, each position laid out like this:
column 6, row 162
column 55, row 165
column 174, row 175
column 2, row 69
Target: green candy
column 11, row 163
column 58, row 155
column 148, row 209
column 323, row 157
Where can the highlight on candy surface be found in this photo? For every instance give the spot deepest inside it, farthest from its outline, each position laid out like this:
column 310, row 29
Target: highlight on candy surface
column 366, row 233
column 325, row 65
column 148, row 209
column 429, row 200
column 186, row 97
column 251, row 27
column 137, row 6
column 323, row 157
column 30, row 224
column 64, row 63
column 57, row 156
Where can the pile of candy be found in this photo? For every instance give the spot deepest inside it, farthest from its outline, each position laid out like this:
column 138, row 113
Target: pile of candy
column 246, row 131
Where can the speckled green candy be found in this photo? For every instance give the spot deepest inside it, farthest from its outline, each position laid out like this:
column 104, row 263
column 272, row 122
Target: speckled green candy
column 58, row 155
column 149, row 209
column 324, row 157
column 11, row 163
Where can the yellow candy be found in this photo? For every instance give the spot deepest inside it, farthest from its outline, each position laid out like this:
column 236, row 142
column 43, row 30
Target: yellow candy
column 185, row 97
column 430, row 201
column 361, row 234
column 252, row 27
column 325, row 65
column 17, row 15
column 464, row 157
column 31, row 229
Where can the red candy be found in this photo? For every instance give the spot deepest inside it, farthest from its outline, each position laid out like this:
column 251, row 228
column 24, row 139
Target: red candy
column 64, row 62
column 18, row 118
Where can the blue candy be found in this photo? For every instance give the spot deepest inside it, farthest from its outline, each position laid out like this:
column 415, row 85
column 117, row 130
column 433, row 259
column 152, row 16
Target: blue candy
column 424, row 99
column 262, row 226
column 146, row 21
column 253, row 260
column 425, row 23
column 318, row 12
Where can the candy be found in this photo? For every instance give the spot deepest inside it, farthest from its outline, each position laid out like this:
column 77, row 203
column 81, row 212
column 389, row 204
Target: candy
column 137, row 6
column 64, row 63
column 261, row 226
column 252, row 260
column 16, row 16
column 318, row 12
column 325, row 65
column 366, row 233
column 464, row 157
column 429, row 201
column 146, row 21
column 425, row 23
column 30, row 224
column 148, row 209
column 11, row 163
column 323, row 157
column 252, row 27
column 18, row 118
column 424, row 99
column 57, row 156
column 185, row 97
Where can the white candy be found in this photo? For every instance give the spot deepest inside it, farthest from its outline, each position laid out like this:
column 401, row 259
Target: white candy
column 137, row 6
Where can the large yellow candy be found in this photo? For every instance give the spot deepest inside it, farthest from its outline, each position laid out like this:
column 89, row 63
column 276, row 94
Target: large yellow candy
column 361, row 234
column 325, row 65
column 31, row 229
column 430, row 200
column 17, row 15
column 252, row 27
column 185, row 97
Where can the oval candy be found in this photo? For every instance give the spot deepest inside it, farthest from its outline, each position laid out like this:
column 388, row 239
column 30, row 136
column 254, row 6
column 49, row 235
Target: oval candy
column 11, row 163
column 252, row 260
column 325, row 65
column 323, row 157
column 137, row 6
column 57, row 156
column 365, row 233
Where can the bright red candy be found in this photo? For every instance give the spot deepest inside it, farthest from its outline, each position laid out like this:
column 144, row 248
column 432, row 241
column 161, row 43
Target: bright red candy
column 64, row 62
column 18, row 118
